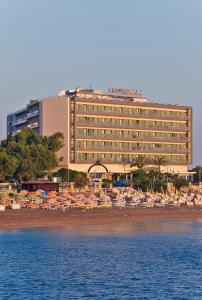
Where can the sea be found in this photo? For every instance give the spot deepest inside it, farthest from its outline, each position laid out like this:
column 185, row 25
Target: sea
column 143, row 260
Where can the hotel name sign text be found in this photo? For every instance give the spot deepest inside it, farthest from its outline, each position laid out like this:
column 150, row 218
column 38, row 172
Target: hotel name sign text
column 125, row 92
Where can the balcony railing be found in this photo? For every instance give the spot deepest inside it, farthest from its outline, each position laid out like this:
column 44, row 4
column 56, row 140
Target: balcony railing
column 20, row 121
column 133, row 114
column 133, row 138
column 120, row 161
column 132, row 126
column 132, row 149
column 34, row 125
column 32, row 114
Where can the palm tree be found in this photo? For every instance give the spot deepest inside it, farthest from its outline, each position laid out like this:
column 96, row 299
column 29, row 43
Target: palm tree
column 160, row 161
column 140, row 161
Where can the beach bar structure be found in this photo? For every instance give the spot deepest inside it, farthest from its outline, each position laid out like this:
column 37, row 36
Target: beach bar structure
column 45, row 185
column 113, row 128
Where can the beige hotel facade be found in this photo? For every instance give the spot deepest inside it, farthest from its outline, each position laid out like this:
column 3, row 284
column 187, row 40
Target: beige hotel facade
column 112, row 128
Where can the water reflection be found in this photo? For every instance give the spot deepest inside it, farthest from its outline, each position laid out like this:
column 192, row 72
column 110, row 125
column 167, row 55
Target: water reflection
column 126, row 228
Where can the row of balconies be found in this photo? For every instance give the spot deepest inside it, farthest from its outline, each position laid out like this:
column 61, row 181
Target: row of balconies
column 15, row 132
column 135, row 149
column 25, row 119
column 134, row 114
column 122, row 161
column 133, row 137
column 19, row 121
column 133, row 126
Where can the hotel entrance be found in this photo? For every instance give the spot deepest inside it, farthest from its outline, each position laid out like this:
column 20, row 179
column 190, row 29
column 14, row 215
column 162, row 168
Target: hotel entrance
column 97, row 173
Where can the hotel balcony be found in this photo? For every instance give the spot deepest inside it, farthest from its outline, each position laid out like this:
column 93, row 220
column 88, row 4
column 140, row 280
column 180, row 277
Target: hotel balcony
column 14, row 133
column 32, row 114
column 120, row 161
column 134, row 138
column 33, row 125
column 136, row 126
column 19, row 121
column 143, row 115
column 138, row 150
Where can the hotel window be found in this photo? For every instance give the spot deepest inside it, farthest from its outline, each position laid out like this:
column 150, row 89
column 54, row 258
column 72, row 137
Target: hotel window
column 107, row 156
column 72, row 106
column 113, row 157
column 72, row 155
column 72, row 118
column 72, row 131
column 103, row 156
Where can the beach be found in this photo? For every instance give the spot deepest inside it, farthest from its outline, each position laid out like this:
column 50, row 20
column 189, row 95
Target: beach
column 37, row 218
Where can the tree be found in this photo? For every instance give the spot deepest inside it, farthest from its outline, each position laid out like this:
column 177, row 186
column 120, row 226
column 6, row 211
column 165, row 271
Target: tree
column 33, row 153
column 68, row 174
column 63, row 173
column 139, row 162
column 25, row 170
column 7, row 164
column 180, row 182
column 54, row 142
column 140, row 179
column 197, row 177
column 80, row 180
column 160, row 161
column 148, row 179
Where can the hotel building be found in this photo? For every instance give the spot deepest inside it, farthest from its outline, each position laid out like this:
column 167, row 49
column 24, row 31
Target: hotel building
column 112, row 128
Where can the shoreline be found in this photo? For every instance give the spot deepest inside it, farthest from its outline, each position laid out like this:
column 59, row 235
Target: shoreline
column 37, row 218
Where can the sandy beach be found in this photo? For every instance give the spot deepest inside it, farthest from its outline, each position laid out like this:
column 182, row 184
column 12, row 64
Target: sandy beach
column 33, row 218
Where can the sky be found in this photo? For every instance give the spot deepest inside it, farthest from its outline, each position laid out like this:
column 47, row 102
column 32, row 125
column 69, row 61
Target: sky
column 154, row 45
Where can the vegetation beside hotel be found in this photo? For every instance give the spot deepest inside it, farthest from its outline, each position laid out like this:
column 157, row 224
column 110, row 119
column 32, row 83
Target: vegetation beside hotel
column 152, row 179
column 68, row 175
column 27, row 155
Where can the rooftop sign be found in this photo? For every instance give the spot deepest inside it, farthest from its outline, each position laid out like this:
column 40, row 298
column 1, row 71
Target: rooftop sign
column 125, row 92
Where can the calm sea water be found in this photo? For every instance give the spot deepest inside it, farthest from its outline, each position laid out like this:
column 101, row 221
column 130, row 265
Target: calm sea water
column 145, row 260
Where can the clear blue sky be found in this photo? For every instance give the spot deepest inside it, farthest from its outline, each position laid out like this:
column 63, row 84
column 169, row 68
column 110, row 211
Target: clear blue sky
column 49, row 45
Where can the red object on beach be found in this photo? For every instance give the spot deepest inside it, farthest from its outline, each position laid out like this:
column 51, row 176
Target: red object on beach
column 41, row 184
